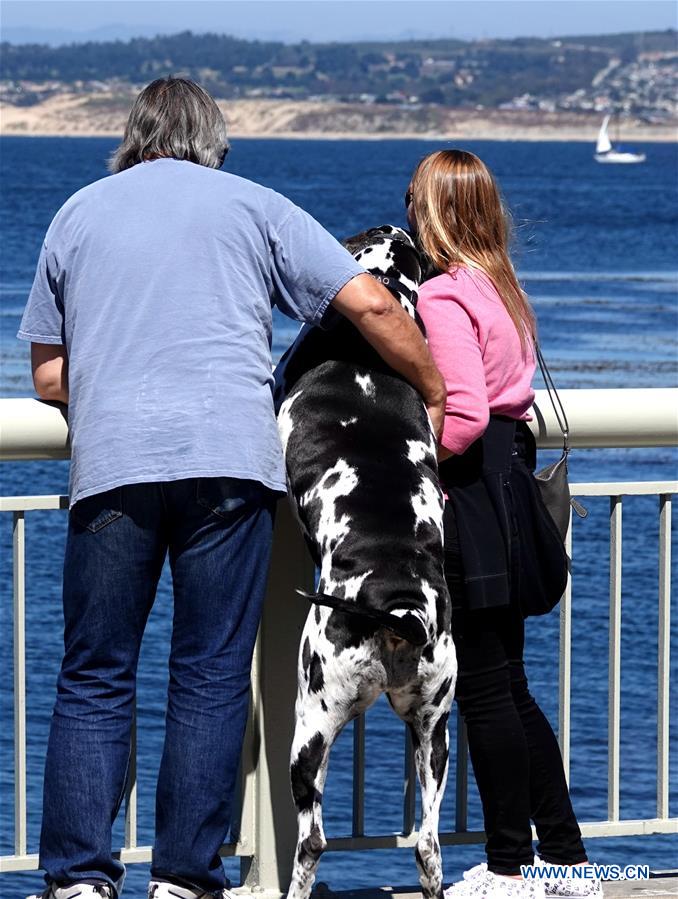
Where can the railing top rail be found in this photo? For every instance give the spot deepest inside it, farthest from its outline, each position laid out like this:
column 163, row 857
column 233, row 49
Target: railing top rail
column 623, row 488
column 32, row 503
column 609, row 418
column 31, row 429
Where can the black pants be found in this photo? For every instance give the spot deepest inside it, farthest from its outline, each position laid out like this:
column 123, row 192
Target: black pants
column 514, row 752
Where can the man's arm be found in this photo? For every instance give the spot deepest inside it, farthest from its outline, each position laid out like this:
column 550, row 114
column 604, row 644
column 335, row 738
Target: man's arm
column 389, row 329
column 49, row 363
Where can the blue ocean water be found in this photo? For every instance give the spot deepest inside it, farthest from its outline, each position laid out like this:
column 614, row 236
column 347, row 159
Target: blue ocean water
column 595, row 247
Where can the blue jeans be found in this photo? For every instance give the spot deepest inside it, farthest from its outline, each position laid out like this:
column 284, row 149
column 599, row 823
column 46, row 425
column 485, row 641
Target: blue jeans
column 218, row 533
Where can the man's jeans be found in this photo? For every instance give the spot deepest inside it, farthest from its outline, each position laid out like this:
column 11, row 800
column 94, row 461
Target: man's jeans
column 218, row 533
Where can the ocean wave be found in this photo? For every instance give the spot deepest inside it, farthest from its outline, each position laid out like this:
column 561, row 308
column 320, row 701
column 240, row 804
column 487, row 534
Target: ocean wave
column 631, row 366
column 22, row 287
column 596, row 277
column 649, row 303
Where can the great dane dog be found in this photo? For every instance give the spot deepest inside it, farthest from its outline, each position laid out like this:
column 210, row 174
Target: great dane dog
column 362, row 475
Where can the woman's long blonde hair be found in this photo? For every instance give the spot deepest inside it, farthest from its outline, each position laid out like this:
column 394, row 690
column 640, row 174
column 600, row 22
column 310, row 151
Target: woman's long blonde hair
column 460, row 220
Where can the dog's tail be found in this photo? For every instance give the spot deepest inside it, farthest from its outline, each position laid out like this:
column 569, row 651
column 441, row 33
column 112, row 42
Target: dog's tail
column 405, row 623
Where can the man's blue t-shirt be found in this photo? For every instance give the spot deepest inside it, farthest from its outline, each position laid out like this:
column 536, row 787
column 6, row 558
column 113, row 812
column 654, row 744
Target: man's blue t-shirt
column 160, row 282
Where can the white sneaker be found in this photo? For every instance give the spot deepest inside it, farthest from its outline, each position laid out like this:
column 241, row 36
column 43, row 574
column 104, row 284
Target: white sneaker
column 162, row 889
column 76, row 891
column 480, row 883
column 571, row 887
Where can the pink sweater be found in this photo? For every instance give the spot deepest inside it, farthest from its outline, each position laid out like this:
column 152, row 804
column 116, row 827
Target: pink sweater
column 476, row 347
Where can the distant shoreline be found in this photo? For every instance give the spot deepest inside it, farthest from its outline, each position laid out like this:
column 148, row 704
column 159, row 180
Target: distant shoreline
column 104, row 115
column 324, row 136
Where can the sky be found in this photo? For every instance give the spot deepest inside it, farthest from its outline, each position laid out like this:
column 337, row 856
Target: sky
column 62, row 21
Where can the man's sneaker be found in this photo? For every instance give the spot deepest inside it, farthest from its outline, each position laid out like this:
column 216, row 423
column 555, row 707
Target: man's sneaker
column 162, row 889
column 479, row 883
column 76, row 891
column 572, row 887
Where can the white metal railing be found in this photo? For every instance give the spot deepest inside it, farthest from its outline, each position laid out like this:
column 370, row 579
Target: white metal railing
column 33, row 430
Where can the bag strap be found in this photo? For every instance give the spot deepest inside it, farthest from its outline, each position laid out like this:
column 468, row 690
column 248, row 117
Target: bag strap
column 556, row 402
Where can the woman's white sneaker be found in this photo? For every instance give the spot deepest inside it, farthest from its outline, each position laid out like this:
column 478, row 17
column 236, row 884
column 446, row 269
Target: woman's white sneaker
column 162, row 889
column 572, row 887
column 479, row 883
column 76, row 891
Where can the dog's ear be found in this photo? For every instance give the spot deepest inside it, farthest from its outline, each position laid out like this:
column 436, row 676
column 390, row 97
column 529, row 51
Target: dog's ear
column 357, row 242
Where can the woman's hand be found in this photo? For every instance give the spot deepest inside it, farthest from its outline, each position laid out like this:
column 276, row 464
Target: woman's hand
column 436, row 412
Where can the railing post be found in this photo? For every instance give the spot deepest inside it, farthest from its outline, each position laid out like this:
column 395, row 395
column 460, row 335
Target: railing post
column 565, row 664
column 131, row 790
column 461, row 780
column 614, row 663
column 19, row 638
column 358, row 823
column 243, row 829
column 410, row 785
column 663, row 663
column 273, row 718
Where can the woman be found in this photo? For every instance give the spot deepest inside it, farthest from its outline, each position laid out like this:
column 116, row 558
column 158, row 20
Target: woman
column 480, row 329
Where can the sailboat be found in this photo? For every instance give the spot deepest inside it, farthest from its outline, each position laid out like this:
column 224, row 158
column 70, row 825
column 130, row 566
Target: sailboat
column 606, row 152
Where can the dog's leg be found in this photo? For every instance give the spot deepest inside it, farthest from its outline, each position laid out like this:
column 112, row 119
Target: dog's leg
column 431, row 742
column 310, row 756
column 426, row 718
column 325, row 702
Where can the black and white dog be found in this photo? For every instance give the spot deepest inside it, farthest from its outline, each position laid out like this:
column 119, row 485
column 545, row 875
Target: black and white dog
column 362, row 475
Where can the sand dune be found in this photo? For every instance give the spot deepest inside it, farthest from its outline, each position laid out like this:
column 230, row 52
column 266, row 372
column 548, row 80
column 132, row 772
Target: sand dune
column 104, row 114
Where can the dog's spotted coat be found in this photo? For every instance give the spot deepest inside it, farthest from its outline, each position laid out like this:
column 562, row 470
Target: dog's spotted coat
column 362, row 472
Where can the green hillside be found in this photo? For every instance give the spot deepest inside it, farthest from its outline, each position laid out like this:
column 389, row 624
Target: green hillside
column 450, row 72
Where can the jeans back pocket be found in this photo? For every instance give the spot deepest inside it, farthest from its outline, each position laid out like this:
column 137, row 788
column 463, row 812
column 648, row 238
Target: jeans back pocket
column 95, row 512
column 229, row 498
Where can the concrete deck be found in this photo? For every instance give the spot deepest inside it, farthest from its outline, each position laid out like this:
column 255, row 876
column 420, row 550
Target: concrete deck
column 657, row 887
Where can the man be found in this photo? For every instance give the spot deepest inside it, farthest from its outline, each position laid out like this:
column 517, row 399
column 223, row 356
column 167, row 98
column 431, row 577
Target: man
column 150, row 315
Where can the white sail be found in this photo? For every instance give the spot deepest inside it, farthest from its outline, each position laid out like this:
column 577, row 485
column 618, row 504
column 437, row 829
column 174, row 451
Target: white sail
column 605, row 152
column 603, row 145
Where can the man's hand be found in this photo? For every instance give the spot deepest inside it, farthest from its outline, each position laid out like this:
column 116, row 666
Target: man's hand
column 50, row 371
column 385, row 325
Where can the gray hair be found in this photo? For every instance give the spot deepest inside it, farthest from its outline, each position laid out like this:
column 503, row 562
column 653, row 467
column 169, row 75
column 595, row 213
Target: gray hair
column 173, row 117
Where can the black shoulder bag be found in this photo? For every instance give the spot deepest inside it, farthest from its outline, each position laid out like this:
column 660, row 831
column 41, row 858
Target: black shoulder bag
column 541, row 504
